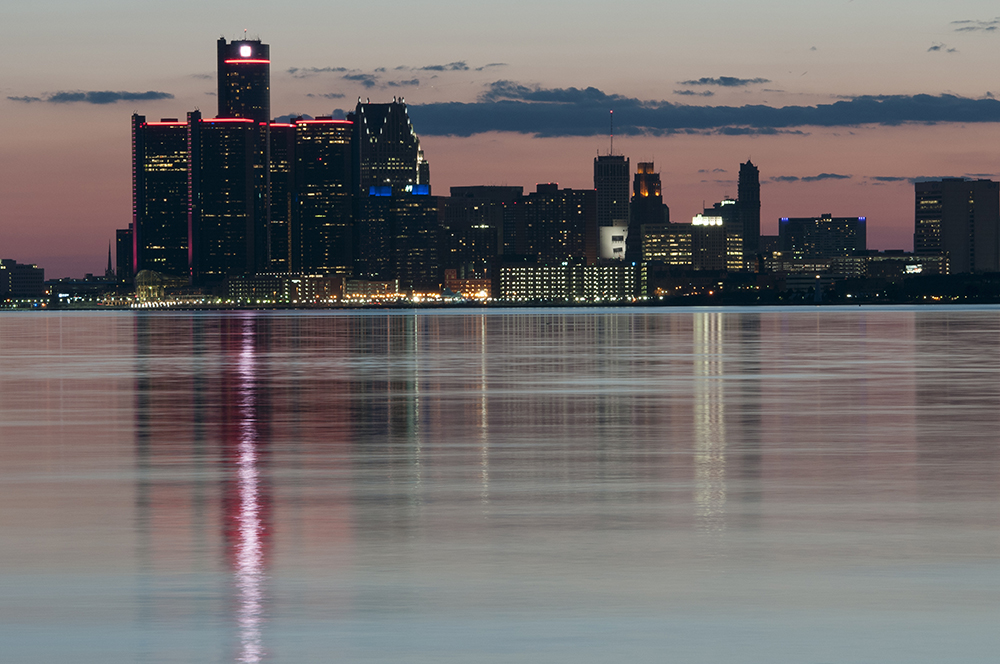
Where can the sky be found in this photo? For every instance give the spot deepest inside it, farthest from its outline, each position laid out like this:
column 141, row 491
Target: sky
column 842, row 104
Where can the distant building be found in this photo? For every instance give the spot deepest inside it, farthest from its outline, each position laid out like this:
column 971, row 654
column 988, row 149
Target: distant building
column 21, row 281
column 646, row 208
column 281, row 192
column 161, row 160
column 554, row 225
column 124, row 267
column 567, row 283
column 244, row 79
column 475, row 219
column 960, row 219
column 825, row 236
column 284, row 288
column 669, row 244
column 748, row 210
column 321, row 230
column 611, row 180
column 228, row 210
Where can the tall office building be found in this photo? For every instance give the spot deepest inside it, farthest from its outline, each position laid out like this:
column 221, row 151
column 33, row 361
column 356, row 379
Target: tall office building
column 321, row 221
column 280, row 191
column 160, row 161
column 960, row 219
column 748, row 197
column 611, row 179
column 387, row 162
column 227, row 222
column 647, row 208
column 244, row 79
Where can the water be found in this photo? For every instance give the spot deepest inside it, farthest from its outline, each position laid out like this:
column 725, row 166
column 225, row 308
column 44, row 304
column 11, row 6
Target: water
column 762, row 485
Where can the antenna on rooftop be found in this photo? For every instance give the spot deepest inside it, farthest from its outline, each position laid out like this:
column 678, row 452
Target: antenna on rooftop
column 612, row 114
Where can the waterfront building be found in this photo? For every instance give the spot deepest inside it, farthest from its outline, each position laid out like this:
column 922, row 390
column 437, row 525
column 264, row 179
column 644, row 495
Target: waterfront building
column 475, row 218
column 321, row 232
column 566, row 283
column 824, row 236
column 646, row 208
column 21, row 281
column 280, row 192
column 960, row 219
column 124, row 266
column 160, row 164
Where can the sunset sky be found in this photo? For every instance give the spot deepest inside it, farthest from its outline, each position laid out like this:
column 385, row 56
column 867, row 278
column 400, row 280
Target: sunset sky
column 840, row 103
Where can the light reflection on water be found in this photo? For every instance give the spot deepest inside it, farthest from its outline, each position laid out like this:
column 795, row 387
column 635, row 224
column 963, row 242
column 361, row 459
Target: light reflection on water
column 553, row 485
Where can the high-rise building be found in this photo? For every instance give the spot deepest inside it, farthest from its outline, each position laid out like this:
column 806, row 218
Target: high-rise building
column 244, row 79
column 554, row 225
column 280, row 191
column 611, row 179
column 18, row 280
column 647, row 208
column 321, row 221
column 474, row 221
column 959, row 219
column 825, row 236
column 227, row 220
column 160, row 162
column 387, row 150
column 124, row 266
column 748, row 197
column 387, row 162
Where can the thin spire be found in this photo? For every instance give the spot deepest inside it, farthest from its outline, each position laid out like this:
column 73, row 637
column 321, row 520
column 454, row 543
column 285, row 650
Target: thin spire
column 612, row 114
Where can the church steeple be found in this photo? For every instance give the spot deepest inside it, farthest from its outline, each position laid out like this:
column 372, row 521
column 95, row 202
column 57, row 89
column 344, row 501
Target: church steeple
column 110, row 272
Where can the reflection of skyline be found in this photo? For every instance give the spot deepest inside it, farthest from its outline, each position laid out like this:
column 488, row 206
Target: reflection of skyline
column 710, row 422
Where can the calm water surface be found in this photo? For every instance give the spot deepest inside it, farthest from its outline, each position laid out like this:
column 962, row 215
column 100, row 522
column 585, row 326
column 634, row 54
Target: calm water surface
column 807, row 486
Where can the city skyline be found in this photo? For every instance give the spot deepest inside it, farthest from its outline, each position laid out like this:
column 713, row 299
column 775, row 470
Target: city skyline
column 65, row 170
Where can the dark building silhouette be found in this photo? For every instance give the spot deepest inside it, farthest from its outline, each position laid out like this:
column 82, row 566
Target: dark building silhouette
column 474, row 222
column 553, row 225
column 748, row 197
column 611, row 180
column 160, row 163
column 227, row 219
column 387, row 162
column 124, row 267
column 282, row 154
column 728, row 215
column 244, row 79
column 415, row 229
column 647, row 208
column 960, row 219
column 825, row 236
column 321, row 221
column 18, row 280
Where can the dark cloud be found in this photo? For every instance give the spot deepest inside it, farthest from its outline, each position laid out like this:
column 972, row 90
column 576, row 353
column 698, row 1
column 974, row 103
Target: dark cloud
column 451, row 66
column 713, row 170
column 202, row 76
column 399, row 84
column 941, row 48
column 826, row 176
column 99, row 97
column 510, row 106
column 491, row 66
column 694, row 93
column 367, row 80
column 888, row 178
column 725, row 81
column 977, row 26
column 302, row 72
column 784, row 178
column 328, row 95
column 288, row 117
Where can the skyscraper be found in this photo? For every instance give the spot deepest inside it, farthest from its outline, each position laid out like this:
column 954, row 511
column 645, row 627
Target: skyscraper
column 647, row 208
column 321, row 226
column 160, row 161
column 825, row 236
column 553, row 225
column 244, row 72
column 748, row 198
column 611, row 176
column 959, row 218
column 228, row 235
